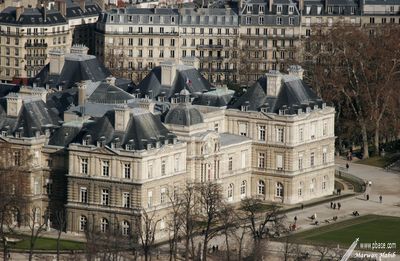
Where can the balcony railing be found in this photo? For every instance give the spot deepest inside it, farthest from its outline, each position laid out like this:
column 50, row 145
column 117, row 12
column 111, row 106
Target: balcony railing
column 210, row 46
column 35, row 45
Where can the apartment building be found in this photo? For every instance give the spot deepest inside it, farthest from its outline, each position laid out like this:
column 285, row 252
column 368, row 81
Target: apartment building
column 28, row 34
column 232, row 43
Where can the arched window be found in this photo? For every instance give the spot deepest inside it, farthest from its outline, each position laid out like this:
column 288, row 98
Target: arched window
column 104, row 225
column 324, row 181
column 279, row 189
column 230, row 192
column 243, row 188
column 82, row 223
column 261, row 187
column 312, row 185
column 126, row 228
column 300, row 189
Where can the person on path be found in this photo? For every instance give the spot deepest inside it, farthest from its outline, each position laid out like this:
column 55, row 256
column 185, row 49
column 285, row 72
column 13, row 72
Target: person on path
column 339, row 205
column 295, row 219
column 380, row 198
column 367, row 196
column 347, row 166
column 331, row 204
column 334, row 205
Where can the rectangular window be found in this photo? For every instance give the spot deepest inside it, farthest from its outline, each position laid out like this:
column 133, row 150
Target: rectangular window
column 324, row 155
column 150, row 198
column 325, row 129
column 313, row 130
column 105, row 197
column 230, row 163
column 83, row 195
column 280, row 135
column 279, row 162
column 163, row 167
column 261, row 132
column 243, row 129
column 105, row 168
column 177, row 160
column 300, row 161
column 126, row 200
column 261, row 160
column 163, row 195
column 312, row 159
column 301, row 134
column 150, row 170
column 17, row 158
column 84, row 166
column 127, row 170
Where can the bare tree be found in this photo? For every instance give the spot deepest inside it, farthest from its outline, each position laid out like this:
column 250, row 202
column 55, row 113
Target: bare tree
column 37, row 225
column 210, row 199
column 188, row 219
column 358, row 68
column 146, row 229
column 14, row 190
column 61, row 220
column 228, row 220
column 174, row 223
column 259, row 221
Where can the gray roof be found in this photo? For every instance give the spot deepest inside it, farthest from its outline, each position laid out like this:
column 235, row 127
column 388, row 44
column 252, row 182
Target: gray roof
column 75, row 11
column 33, row 116
column 31, row 16
column 219, row 97
column 294, row 94
column 151, row 84
column 143, row 128
column 107, row 93
column 135, row 16
column 209, row 17
column 227, row 139
column 184, row 114
column 338, row 7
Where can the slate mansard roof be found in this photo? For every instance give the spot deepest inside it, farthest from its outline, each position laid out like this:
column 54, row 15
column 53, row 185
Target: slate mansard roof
column 33, row 116
column 209, row 17
column 186, row 78
column 293, row 95
column 142, row 129
column 135, row 16
column 31, row 16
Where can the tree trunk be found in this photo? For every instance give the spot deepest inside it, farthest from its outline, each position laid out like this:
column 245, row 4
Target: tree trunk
column 376, row 137
column 227, row 246
column 58, row 246
column 364, row 140
column 205, row 244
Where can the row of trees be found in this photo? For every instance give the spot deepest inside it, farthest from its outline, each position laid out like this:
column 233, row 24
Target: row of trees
column 358, row 70
column 197, row 215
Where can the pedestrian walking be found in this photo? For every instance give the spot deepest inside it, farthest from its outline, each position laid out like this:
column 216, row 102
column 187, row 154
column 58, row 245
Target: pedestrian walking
column 295, row 219
column 331, row 204
column 302, row 206
column 367, row 196
column 339, row 205
column 347, row 166
column 380, row 198
column 334, row 205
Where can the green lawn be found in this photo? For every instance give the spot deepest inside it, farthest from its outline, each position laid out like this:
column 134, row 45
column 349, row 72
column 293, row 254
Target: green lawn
column 48, row 244
column 370, row 229
column 375, row 161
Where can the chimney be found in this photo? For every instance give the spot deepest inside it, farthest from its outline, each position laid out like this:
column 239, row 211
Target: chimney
column 19, row 10
column 62, row 7
column 326, row 6
column 271, row 2
column 168, row 73
column 122, row 116
column 44, row 12
column 301, row 5
column 81, row 93
column 296, row 70
column 14, row 104
column 82, row 5
column 111, row 80
column 57, row 60
column 273, row 83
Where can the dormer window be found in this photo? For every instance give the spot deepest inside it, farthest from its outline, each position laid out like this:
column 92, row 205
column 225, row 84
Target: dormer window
column 282, row 112
column 352, row 10
column 245, row 107
column 308, row 110
column 323, row 105
column 299, row 111
column 291, row 9
column 18, row 134
column 330, row 9
column 308, row 9
column 315, row 107
column 4, row 133
column 261, row 9
column 249, row 9
column 319, row 9
column 279, row 9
